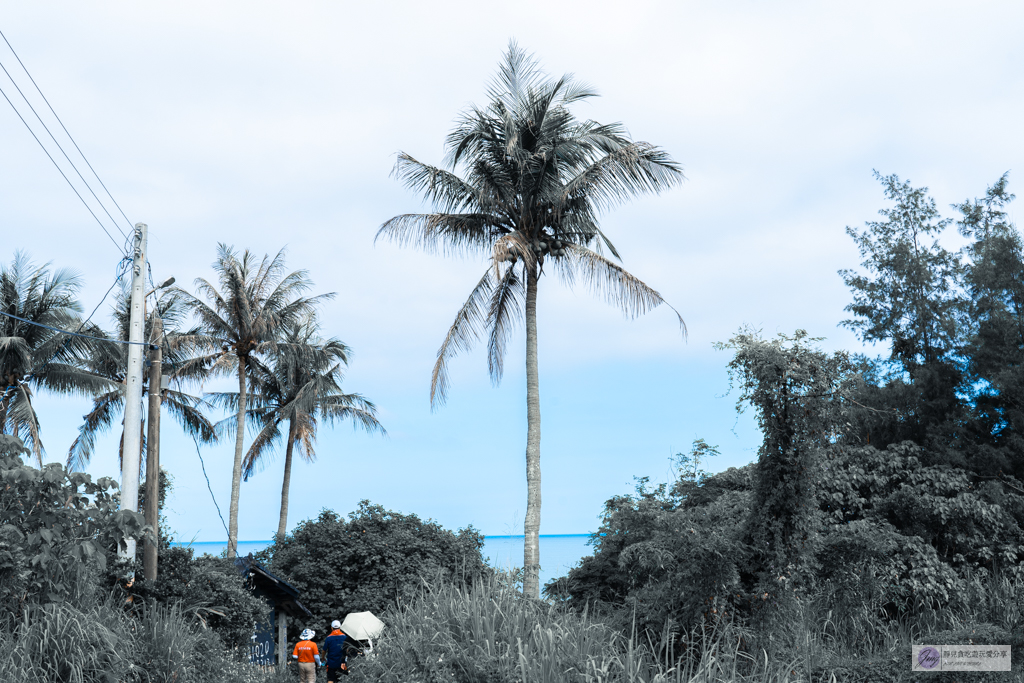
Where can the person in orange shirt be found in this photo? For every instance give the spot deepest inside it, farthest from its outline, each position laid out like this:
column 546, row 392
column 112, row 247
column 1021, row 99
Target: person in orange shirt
column 308, row 655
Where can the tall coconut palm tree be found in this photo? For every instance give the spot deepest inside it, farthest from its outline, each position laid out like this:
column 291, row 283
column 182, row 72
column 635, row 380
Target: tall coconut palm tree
column 524, row 182
column 110, row 361
column 301, row 387
column 244, row 319
column 33, row 357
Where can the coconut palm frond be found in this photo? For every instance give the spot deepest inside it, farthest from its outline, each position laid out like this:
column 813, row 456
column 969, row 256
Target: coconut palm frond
column 446, row 233
column 625, row 172
column 616, row 285
column 445, row 189
column 104, row 409
column 504, row 312
column 23, row 422
column 256, row 457
column 360, row 416
column 187, row 412
column 464, row 331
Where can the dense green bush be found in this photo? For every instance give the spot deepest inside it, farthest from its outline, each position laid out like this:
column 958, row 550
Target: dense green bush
column 58, row 531
column 660, row 559
column 210, row 588
column 371, row 560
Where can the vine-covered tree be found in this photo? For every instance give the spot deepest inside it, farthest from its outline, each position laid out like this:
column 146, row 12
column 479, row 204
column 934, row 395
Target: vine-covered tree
column 800, row 396
column 533, row 179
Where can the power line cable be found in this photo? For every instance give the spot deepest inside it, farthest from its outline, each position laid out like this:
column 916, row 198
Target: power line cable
column 39, row 90
column 75, row 334
column 50, row 133
column 208, row 486
column 60, row 170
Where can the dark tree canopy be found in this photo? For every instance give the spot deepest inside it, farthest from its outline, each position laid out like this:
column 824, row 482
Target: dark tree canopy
column 370, row 560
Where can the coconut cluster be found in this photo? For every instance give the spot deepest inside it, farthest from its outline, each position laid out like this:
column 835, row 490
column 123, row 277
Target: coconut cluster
column 541, row 247
column 549, row 246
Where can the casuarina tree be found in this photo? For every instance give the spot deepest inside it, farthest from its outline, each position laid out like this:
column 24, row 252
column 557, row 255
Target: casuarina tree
column 523, row 184
column 240, row 322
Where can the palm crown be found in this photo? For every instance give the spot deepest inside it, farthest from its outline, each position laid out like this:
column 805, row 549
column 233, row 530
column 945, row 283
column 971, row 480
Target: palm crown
column 534, row 179
column 33, row 356
column 109, row 360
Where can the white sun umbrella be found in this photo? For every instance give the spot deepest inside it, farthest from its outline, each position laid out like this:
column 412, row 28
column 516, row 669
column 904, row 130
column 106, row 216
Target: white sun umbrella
column 362, row 625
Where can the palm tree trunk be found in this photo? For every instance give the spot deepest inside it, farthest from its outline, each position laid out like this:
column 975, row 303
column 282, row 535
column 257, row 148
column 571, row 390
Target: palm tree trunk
column 236, row 473
column 282, row 524
column 531, row 530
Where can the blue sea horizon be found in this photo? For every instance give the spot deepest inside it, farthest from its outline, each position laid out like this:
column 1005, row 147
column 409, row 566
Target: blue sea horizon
column 558, row 552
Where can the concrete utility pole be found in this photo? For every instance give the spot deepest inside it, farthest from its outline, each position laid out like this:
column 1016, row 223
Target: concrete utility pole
column 156, row 396
column 130, row 461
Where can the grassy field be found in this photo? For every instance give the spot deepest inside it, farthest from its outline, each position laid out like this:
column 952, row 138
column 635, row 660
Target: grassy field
column 487, row 633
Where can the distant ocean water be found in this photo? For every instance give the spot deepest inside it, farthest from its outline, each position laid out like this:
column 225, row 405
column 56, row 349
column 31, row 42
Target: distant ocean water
column 558, row 552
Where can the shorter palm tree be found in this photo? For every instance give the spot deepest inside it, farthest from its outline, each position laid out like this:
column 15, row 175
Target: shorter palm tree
column 33, row 357
column 301, row 387
column 109, row 360
column 240, row 323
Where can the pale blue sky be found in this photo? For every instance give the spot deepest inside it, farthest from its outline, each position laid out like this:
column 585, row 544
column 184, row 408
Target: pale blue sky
column 269, row 124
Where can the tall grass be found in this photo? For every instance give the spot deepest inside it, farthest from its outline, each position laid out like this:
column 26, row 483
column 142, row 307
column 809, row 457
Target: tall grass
column 487, row 632
column 61, row 643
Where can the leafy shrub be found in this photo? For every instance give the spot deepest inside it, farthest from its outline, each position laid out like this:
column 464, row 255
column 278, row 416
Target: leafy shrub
column 58, row 529
column 210, row 588
column 659, row 559
column 371, row 560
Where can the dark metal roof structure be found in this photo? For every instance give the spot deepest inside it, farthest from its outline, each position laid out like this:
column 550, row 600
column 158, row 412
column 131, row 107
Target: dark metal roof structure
column 277, row 590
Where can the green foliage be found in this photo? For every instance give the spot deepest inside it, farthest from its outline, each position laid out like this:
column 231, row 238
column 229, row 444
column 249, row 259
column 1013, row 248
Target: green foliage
column 211, row 588
column 661, row 560
column 688, row 466
column 33, row 357
column 800, row 395
column 106, row 643
column 908, row 296
column 57, row 530
column 968, row 523
column 371, row 560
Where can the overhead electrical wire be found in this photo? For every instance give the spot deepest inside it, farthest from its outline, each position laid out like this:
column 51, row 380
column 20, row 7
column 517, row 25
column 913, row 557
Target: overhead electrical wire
column 46, row 151
column 50, row 133
column 76, row 334
column 66, row 131
column 126, row 249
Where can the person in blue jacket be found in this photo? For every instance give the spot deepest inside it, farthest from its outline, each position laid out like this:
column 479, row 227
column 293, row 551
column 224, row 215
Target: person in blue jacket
column 334, row 652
